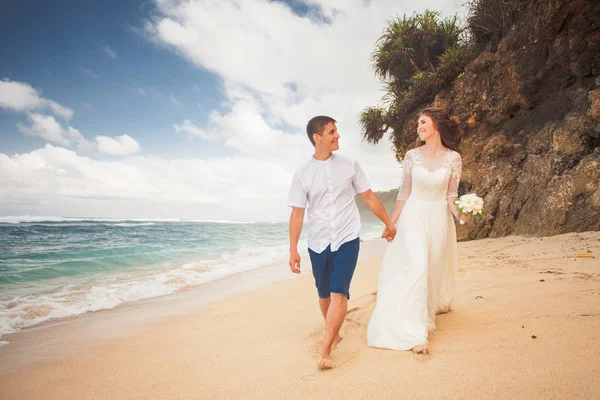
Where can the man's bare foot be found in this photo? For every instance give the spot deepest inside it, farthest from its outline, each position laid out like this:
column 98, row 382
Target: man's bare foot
column 422, row 349
column 337, row 339
column 326, row 363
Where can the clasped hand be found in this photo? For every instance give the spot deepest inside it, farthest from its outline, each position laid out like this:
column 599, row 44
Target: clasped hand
column 389, row 233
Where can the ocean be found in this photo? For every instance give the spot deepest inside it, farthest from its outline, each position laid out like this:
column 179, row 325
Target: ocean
column 55, row 267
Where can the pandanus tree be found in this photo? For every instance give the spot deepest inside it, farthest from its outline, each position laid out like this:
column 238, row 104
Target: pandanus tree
column 414, row 58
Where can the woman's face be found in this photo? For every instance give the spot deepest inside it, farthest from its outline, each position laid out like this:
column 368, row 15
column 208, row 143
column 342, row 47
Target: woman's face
column 425, row 128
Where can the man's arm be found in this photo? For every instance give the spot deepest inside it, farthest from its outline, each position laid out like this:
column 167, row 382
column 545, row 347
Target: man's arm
column 374, row 204
column 296, row 219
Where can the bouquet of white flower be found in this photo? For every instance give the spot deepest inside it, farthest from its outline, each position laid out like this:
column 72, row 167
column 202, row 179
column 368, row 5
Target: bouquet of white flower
column 469, row 204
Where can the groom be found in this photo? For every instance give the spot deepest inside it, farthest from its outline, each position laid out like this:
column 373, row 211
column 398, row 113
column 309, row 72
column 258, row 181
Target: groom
column 327, row 183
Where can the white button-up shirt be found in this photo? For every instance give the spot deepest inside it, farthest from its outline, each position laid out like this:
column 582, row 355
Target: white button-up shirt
column 329, row 188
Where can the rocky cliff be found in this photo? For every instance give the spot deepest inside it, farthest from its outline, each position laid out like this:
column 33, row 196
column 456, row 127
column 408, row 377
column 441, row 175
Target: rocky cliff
column 530, row 111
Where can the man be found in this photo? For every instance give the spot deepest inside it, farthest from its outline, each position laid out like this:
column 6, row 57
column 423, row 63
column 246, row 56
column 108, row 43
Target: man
column 328, row 183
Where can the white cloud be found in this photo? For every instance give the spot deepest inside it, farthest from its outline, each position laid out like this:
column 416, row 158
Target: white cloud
column 21, row 97
column 90, row 73
column 142, row 92
column 63, row 112
column 110, row 52
column 120, row 145
column 277, row 69
column 192, row 130
column 46, row 127
column 57, row 181
column 268, row 46
column 280, row 69
column 174, row 100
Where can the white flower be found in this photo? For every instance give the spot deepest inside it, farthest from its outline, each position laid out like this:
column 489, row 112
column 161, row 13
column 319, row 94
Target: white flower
column 469, row 203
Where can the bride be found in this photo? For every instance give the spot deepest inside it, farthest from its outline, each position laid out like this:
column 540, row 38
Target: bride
column 417, row 278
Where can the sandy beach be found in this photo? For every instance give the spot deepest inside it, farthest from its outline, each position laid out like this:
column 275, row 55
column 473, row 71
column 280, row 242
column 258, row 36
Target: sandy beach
column 524, row 326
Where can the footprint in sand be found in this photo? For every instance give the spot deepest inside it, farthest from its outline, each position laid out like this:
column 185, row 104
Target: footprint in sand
column 555, row 272
column 354, row 322
column 584, row 276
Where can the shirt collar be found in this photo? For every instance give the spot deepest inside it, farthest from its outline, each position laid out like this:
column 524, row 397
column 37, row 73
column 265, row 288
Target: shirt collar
column 324, row 162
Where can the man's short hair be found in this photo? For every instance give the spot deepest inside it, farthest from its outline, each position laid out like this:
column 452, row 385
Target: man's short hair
column 317, row 125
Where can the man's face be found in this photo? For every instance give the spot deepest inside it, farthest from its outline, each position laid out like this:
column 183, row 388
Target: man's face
column 328, row 141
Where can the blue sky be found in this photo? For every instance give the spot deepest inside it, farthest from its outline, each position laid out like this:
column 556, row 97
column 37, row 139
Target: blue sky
column 181, row 109
column 63, row 49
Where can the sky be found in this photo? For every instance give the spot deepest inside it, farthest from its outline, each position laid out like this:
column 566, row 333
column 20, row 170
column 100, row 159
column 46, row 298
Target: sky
column 189, row 109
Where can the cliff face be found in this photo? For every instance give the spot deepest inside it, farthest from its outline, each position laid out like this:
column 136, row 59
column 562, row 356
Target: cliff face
column 531, row 116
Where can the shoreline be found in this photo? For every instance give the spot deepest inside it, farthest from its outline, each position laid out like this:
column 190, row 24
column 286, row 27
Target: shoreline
column 31, row 299
column 263, row 343
column 63, row 336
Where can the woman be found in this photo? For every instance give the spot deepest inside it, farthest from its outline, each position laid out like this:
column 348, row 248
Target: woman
column 417, row 275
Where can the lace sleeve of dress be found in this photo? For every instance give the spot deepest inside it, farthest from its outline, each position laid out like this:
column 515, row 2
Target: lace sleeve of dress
column 406, row 183
column 456, row 169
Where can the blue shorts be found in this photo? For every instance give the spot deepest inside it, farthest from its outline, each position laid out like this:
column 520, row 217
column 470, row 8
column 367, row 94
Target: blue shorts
column 333, row 270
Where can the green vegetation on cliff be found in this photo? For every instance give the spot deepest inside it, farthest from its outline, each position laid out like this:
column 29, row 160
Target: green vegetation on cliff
column 529, row 106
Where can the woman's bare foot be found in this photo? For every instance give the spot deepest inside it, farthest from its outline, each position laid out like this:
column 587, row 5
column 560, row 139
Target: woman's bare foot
column 337, row 339
column 422, row 349
column 326, row 363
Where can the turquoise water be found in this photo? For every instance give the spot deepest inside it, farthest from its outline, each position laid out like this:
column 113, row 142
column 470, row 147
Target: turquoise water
column 42, row 251
column 59, row 267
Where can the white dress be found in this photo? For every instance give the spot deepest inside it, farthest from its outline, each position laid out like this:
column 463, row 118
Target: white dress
column 417, row 279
